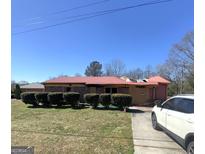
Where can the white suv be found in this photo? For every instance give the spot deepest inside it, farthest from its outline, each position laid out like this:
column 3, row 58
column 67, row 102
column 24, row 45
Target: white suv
column 176, row 117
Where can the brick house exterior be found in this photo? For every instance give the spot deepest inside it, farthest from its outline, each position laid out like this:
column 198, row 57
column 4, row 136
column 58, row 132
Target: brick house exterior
column 143, row 92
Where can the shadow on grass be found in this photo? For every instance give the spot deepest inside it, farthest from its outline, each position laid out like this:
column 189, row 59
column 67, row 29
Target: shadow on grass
column 115, row 108
column 81, row 106
column 134, row 111
column 85, row 106
column 109, row 108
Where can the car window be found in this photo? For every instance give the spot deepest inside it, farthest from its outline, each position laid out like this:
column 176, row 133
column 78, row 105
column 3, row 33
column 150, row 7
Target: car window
column 180, row 104
column 185, row 105
column 169, row 104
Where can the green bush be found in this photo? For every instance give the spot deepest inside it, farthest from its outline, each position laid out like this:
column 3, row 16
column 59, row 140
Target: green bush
column 12, row 95
column 92, row 99
column 105, row 100
column 72, row 98
column 42, row 97
column 122, row 100
column 29, row 98
column 55, row 98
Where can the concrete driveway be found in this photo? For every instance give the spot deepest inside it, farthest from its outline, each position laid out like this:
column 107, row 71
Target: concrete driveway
column 150, row 141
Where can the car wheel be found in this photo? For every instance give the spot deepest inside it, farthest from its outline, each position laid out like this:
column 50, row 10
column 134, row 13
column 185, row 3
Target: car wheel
column 190, row 148
column 154, row 122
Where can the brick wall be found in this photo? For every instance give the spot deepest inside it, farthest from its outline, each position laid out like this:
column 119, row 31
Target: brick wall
column 124, row 90
column 32, row 90
column 55, row 89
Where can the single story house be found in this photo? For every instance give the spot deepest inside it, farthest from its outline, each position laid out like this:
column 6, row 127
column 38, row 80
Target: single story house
column 143, row 91
column 33, row 87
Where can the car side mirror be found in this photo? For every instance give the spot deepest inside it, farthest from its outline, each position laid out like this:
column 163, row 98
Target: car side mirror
column 158, row 103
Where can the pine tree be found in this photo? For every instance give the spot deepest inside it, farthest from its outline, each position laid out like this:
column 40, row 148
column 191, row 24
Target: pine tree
column 17, row 92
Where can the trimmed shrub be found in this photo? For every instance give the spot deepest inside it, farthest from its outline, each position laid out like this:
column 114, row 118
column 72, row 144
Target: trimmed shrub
column 105, row 100
column 12, row 95
column 92, row 99
column 42, row 97
column 29, row 98
column 55, row 98
column 72, row 98
column 122, row 100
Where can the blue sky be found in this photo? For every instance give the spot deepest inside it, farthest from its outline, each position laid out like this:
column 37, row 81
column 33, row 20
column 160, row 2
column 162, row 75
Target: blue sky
column 139, row 37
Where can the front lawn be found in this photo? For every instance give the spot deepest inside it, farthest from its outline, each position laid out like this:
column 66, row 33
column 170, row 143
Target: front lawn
column 69, row 130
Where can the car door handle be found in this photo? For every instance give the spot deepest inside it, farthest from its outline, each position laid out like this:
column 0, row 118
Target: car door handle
column 168, row 115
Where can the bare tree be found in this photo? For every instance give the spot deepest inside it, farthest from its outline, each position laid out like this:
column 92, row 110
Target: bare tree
column 184, row 50
column 23, row 82
column 135, row 74
column 164, row 71
column 179, row 67
column 58, row 76
column 115, row 68
column 182, row 56
column 78, row 75
column 148, row 72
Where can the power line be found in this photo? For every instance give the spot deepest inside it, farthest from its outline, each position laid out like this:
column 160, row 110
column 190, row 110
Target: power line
column 58, row 12
column 58, row 24
column 92, row 15
column 67, row 10
column 79, row 7
column 77, row 16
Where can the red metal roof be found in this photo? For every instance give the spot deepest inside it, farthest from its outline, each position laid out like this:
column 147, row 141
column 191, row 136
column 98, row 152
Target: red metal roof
column 88, row 80
column 158, row 79
column 106, row 80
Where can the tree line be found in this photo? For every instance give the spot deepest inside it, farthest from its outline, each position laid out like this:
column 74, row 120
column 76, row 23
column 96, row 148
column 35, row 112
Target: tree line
column 118, row 68
column 177, row 68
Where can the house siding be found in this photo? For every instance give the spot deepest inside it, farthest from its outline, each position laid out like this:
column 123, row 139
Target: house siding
column 55, row 89
column 32, row 90
column 161, row 91
column 124, row 90
column 141, row 95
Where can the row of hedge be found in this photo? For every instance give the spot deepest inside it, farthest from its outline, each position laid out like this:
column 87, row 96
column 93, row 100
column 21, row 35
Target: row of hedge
column 73, row 98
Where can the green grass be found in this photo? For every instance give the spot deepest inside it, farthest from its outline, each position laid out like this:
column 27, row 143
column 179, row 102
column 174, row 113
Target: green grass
column 71, row 130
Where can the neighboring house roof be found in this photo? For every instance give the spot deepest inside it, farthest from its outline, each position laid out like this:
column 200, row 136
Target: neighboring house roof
column 106, row 80
column 33, row 86
column 158, row 79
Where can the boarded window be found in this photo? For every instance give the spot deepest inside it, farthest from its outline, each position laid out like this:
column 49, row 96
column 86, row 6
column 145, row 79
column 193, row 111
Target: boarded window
column 114, row 90
column 107, row 90
column 111, row 90
column 68, row 89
